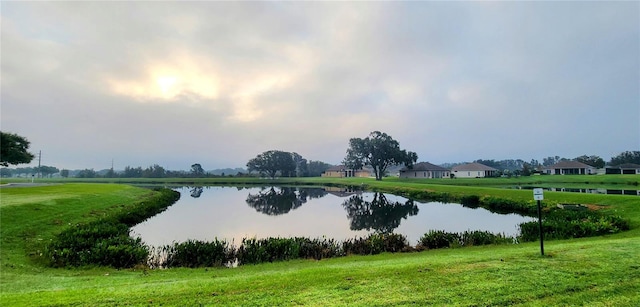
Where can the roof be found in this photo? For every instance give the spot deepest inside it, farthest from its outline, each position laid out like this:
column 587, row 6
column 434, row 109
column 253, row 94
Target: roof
column 336, row 168
column 424, row 166
column 473, row 167
column 569, row 164
column 626, row 166
column 340, row 168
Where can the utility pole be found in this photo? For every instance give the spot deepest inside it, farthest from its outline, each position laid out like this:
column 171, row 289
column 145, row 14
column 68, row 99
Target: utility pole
column 39, row 160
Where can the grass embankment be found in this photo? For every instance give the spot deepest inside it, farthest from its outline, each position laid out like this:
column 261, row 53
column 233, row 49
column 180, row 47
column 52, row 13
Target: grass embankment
column 597, row 271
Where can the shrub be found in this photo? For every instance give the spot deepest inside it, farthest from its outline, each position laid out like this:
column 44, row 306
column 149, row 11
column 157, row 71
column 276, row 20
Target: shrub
column 502, row 205
column 194, row 253
column 438, row 239
column 565, row 224
column 375, row 244
column 479, row 237
column 470, row 201
column 254, row 251
column 107, row 241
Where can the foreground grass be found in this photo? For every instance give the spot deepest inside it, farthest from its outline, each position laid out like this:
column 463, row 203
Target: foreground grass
column 595, row 271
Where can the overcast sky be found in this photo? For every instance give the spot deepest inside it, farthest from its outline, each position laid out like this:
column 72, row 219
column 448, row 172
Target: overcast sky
column 216, row 83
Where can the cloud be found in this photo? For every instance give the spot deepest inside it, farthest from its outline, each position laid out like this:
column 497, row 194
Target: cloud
column 219, row 82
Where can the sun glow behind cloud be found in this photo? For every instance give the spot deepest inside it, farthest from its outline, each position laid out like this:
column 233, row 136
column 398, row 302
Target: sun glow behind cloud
column 164, row 83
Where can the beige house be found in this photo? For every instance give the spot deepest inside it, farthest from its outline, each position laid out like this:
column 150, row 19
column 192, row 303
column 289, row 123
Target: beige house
column 570, row 168
column 473, row 170
column 340, row 171
column 424, row 170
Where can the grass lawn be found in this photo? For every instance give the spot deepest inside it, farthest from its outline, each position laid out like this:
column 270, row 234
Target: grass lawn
column 601, row 271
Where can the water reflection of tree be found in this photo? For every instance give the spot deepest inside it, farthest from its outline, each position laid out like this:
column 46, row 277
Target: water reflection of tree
column 279, row 201
column 379, row 214
column 196, row 192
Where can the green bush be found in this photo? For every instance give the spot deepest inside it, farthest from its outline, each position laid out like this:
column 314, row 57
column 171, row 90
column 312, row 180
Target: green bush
column 479, row 237
column 502, row 205
column 194, row 253
column 107, row 241
column 268, row 250
column 438, row 239
column 565, row 224
column 375, row 244
column 470, row 201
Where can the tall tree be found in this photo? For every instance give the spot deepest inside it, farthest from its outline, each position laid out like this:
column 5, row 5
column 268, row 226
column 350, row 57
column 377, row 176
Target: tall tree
column 155, row 171
column 86, row 173
column 48, row 170
column 626, row 157
column 379, row 150
column 594, row 161
column 316, row 168
column 271, row 162
column 301, row 165
column 548, row 161
column 197, row 170
column 14, row 149
column 379, row 214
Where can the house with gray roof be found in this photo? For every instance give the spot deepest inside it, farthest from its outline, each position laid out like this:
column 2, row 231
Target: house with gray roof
column 570, row 168
column 424, row 170
column 473, row 170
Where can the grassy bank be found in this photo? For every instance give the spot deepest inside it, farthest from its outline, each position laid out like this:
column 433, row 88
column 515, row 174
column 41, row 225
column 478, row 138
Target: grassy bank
column 597, row 271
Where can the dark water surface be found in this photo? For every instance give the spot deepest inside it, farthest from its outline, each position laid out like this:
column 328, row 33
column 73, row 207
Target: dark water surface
column 232, row 213
column 627, row 191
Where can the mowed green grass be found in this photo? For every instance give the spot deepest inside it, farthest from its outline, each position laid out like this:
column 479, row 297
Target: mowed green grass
column 602, row 271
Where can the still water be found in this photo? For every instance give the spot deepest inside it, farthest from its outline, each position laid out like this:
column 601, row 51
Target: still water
column 233, row 213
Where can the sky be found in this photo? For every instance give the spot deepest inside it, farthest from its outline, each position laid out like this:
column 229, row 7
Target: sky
column 216, row 83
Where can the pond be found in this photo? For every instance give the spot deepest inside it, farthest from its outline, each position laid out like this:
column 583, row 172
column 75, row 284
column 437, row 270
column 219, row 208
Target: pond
column 626, row 191
column 234, row 213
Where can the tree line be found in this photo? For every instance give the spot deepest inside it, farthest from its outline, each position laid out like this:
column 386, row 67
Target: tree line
column 274, row 163
column 378, row 151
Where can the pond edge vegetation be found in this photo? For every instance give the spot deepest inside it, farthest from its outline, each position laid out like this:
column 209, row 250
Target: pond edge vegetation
column 107, row 241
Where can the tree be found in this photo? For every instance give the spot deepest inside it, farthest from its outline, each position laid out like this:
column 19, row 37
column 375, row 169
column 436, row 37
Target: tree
column 48, row 170
column 594, row 161
column 64, row 173
column 552, row 160
column 527, row 169
column 13, row 149
column 130, row 172
column 626, row 157
column 378, row 150
column 6, row 172
column 316, row 168
column 271, row 162
column 155, row 171
column 196, row 170
column 86, row 173
column 379, row 214
column 301, row 165
column 272, row 202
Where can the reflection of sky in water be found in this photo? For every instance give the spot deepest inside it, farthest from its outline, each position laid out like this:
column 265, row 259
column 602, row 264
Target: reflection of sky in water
column 222, row 212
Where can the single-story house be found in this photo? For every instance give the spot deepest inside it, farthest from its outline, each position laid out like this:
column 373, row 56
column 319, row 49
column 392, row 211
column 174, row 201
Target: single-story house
column 473, row 170
column 627, row 168
column 424, row 170
column 570, row 168
column 342, row 171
